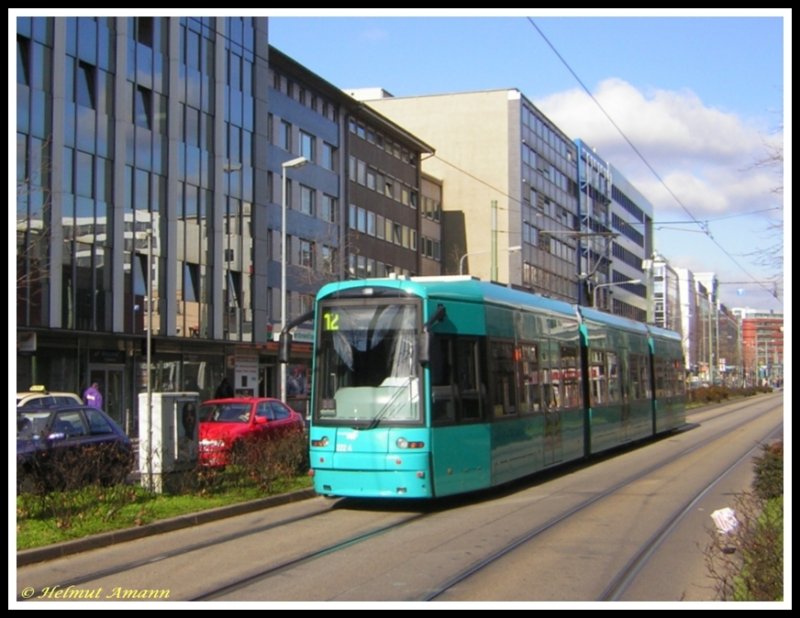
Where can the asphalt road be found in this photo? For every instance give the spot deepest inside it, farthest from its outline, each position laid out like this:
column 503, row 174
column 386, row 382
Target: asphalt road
column 641, row 517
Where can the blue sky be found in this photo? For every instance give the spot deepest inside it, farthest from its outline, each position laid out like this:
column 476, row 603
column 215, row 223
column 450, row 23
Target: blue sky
column 701, row 96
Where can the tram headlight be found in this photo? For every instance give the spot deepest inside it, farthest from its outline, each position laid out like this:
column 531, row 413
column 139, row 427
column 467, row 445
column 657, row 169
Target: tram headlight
column 322, row 442
column 406, row 444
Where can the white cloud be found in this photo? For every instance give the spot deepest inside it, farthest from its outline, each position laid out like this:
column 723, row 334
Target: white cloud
column 705, row 156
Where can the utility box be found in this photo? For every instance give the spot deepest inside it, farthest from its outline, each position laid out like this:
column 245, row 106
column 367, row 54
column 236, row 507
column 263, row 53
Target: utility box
column 168, row 440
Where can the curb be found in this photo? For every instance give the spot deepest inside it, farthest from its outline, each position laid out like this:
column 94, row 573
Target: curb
column 66, row 548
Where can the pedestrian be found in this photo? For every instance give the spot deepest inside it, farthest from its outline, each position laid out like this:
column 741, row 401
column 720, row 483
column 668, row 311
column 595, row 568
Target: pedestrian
column 224, row 390
column 93, row 397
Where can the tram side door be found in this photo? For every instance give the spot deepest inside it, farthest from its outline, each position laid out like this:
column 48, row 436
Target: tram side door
column 461, row 438
column 625, row 397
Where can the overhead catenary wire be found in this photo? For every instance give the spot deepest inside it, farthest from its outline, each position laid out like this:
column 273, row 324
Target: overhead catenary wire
column 703, row 225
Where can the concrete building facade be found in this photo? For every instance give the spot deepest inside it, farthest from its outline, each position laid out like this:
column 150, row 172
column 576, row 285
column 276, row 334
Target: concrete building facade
column 509, row 191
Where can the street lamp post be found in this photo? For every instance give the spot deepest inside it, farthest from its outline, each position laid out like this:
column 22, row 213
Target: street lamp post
column 293, row 163
column 466, row 255
column 606, row 285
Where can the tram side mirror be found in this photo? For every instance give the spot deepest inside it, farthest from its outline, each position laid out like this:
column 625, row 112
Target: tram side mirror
column 425, row 338
column 284, row 345
column 424, row 347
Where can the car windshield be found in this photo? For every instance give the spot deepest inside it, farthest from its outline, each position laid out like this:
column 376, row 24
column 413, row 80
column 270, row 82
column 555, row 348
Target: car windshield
column 225, row 413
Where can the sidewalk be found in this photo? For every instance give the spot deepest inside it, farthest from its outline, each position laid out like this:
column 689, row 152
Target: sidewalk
column 58, row 550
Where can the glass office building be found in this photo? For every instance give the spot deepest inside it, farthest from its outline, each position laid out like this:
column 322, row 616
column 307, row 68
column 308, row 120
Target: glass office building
column 150, row 195
column 139, row 205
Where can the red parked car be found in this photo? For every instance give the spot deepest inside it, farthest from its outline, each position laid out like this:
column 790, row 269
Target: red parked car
column 227, row 424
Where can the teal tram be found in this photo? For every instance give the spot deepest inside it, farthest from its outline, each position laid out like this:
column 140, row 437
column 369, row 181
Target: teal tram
column 433, row 386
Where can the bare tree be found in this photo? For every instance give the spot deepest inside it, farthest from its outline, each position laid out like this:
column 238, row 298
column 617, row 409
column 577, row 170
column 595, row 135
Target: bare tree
column 772, row 255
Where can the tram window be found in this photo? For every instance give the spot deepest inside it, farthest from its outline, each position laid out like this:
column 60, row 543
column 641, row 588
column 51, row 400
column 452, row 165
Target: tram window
column 502, row 371
column 551, row 389
column 470, row 387
column 614, row 395
column 530, row 394
column 552, row 376
column 597, row 373
column 661, row 378
column 641, row 375
column 678, row 373
column 570, row 376
column 443, row 404
column 633, row 377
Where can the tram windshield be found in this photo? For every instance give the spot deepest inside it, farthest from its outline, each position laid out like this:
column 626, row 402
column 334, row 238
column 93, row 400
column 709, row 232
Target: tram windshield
column 367, row 371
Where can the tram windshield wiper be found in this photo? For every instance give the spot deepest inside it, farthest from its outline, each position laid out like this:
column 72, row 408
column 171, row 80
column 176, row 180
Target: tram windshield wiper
column 391, row 404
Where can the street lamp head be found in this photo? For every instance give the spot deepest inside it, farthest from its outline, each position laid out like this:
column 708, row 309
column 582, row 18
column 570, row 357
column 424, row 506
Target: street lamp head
column 610, row 283
column 298, row 162
column 466, row 255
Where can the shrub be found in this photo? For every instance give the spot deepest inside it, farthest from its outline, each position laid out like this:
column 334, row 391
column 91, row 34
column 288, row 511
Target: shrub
column 65, row 469
column 747, row 563
column 264, row 461
column 768, row 481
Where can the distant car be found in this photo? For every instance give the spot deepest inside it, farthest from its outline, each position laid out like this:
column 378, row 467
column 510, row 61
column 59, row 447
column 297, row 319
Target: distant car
column 227, row 425
column 69, row 446
column 39, row 397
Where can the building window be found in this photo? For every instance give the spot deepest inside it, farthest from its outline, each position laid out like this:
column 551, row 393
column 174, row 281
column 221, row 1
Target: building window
column 362, row 220
column 306, row 257
column 234, row 289
column 84, row 89
column 362, row 172
column 84, row 174
column 191, row 123
column 328, row 209
column 190, row 282
column 307, row 145
column 144, row 31
column 327, row 257
column 143, row 108
column 285, row 136
column 23, row 61
column 307, row 200
column 351, row 219
column 328, row 157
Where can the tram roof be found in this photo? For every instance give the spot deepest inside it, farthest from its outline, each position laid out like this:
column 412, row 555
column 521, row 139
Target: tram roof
column 609, row 319
column 471, row 289
column 459, row 287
